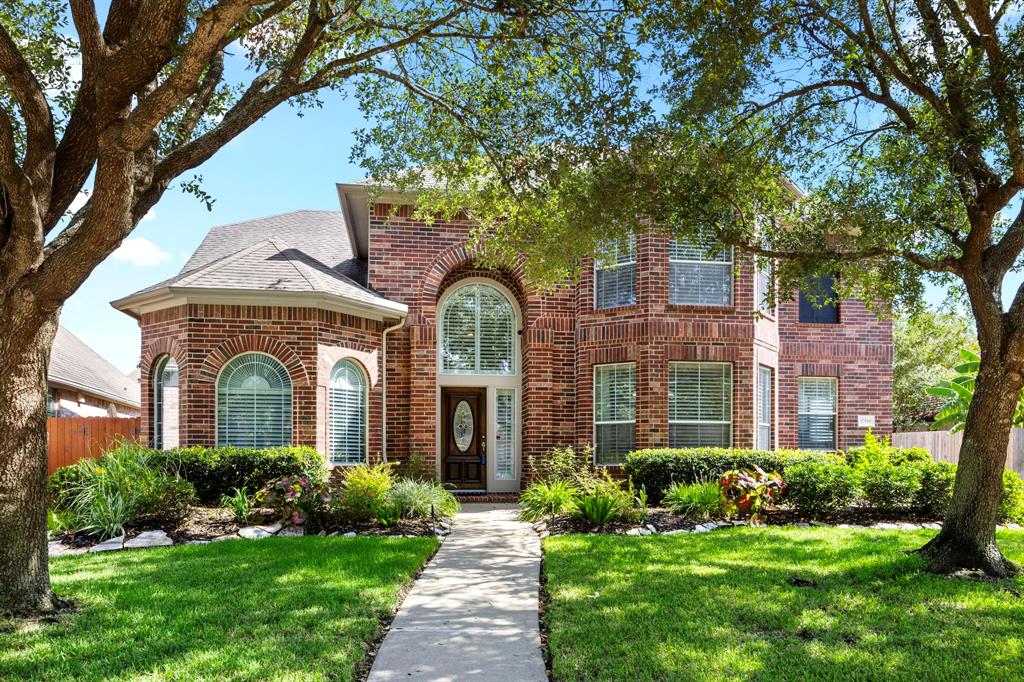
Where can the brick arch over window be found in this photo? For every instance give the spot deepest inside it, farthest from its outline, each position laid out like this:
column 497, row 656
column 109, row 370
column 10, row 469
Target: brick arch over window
column 457, row 263
column 254, row 343
column 159, row 348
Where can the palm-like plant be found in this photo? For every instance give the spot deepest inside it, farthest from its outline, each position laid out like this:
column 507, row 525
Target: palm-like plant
column 958, row 393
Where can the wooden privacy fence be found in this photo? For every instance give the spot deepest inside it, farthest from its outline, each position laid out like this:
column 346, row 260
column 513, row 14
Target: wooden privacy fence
column 945, row 446
column 72, row 438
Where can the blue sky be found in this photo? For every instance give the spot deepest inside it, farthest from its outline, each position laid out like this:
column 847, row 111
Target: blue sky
column 282, row 163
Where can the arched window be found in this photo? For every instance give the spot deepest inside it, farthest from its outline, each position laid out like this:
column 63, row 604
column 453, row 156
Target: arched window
column 478, row 332
column 254, row 402
column 165, row 403
column 346, row 398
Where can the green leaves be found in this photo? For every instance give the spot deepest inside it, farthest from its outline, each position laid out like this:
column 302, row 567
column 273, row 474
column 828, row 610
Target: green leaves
column 958, row 393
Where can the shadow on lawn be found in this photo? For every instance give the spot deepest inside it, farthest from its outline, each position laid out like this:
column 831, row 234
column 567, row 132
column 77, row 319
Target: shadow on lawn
column 725, row 605
column 230, row 610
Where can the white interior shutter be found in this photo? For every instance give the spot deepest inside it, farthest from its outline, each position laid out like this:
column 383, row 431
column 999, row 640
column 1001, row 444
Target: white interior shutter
column 764, row 408
column 614, row 412
column 817, row 413
column 254, row 402
column 347, row 406
column 700, row 272
column 700, row 404
column 615, row 276
column 505, row 442
column 478, row 332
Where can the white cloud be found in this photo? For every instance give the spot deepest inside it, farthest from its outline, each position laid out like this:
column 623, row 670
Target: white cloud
column 150, row 214
column 140, row 252
column 79, row 201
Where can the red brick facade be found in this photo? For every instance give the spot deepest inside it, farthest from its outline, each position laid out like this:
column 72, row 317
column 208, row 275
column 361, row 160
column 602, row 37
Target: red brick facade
column 562, row 338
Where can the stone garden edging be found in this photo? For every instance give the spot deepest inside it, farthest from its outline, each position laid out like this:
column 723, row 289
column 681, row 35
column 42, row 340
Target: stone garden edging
column 541, row 527
column 159, row 538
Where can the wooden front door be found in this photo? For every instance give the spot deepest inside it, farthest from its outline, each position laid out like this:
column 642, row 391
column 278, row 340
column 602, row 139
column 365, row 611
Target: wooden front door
column 463, row 440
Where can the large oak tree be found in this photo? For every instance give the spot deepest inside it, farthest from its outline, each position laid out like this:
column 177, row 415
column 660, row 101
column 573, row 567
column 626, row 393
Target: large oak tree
column 165, row 84
column 877, row 139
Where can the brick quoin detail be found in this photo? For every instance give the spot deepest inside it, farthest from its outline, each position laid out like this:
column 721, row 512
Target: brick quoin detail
column 562, row 339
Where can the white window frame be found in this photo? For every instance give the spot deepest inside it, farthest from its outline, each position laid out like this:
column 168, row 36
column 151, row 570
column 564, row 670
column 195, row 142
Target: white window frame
column 732, row 396
column 365, row 377
column 615, row 265
column 731, row 263
column 160, row 400
column 762, row 371
column 451, row 296
column 834, row 413
column 593, row 387
column 513, row 446
column 216, row 403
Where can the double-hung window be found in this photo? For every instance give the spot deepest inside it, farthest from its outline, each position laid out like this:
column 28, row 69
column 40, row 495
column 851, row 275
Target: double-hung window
column 614, row 412
column 819, row 303
column 699, row 404
column 817, row 401
column 700, row 272
column 615, row 276
column 764, row 408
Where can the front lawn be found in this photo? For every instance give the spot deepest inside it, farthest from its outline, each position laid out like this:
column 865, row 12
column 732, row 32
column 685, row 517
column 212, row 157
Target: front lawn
column 773, row 604
column 280, row 608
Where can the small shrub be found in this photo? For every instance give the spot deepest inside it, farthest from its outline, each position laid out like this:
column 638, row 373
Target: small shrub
column 880, row 451
column 656, row 469
column 547, row 499
column 696, row 501
column 415, row 499
column 363, row 490
column 415, row 468
column 1011, row 506
column 562, row 463
column 748, row 493
column 167, row 501
column 296, row 500
column 387, row 514
column 819, row 488
column 888, row 486
column 936, row 488
column 598, row 507
column 239, row 504
column 59, row 522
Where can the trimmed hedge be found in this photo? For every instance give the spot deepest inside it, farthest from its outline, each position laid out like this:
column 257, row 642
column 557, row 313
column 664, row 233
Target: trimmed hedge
column 217, row 471
column 819, row 488
column 656, row 469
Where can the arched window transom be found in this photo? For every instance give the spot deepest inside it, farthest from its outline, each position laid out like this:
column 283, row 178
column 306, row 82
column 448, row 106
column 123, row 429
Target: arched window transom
column 347, row 400
column 254, row 402
column 478, row 332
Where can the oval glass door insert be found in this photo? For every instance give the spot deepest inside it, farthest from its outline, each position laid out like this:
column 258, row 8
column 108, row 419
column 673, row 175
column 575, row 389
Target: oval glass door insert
column 462, row 425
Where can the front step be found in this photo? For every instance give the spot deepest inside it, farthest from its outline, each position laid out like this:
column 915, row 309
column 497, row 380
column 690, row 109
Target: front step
column 474, row 497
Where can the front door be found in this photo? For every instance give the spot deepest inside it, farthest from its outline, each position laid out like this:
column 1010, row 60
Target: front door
column 463, row 440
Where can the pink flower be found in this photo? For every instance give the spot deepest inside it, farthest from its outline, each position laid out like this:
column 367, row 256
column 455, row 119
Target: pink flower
column 297, row 518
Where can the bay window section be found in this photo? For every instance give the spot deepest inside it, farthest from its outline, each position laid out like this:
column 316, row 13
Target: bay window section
column 614, row 412
column 700, row 404
column 700, row 272
column 615, row 276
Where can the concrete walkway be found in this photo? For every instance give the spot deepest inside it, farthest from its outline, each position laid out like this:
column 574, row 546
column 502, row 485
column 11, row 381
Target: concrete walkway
column 473, row 613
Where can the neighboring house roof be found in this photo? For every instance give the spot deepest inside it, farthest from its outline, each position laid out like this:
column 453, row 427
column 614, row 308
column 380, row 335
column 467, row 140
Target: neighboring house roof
column 75, row 365
column 301, row 255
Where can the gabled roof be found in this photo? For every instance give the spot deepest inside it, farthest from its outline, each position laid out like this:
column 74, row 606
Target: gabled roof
column 75, row 365
column 298, row 258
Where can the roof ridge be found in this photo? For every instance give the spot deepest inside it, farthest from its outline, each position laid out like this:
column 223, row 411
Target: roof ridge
column 274, row 215
column 291, row 263
column 213, row 266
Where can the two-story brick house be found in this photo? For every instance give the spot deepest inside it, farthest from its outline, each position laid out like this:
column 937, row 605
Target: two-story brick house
column 366, row 333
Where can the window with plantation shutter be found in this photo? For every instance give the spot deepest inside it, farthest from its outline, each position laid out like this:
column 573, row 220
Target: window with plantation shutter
column 165, row 404
column 614, row 412
column 254, row 402
column 700, row 272
column 700, row 404
column 505, row 441
column 346, row 398
column 764, row 408
column 615, row 276
column 478, row 332
column 817, row 413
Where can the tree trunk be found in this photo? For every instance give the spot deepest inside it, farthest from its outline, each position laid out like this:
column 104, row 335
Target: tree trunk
column 968, row 535
column 24, row 562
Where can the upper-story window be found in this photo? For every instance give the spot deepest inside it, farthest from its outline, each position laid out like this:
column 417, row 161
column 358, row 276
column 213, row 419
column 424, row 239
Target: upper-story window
column 700, row 272
column 615, row 276
column 820, row 303
column 478, row 332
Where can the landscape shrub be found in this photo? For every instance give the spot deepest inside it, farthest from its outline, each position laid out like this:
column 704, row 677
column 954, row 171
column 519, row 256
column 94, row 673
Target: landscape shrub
column 889, row 486
column 598, row 507
column 239, row 503
column 1011, row 507
column 696, row 501
column 215, row 472
column 547, row 499
column 363, row 490
column 936, row 488
column 415, row 467
column 880, row 451
column 562, row 463
column 819, row 488
column 415, row 499
column 296, row 500
column 657, row 469
column 748, row 493
column 102, row 496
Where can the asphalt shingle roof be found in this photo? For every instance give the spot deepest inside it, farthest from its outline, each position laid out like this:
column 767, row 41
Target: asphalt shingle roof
column 75, row 365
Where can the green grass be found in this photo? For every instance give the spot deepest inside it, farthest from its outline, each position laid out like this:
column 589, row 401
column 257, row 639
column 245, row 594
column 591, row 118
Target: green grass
column 718, row 606
column 280, row 608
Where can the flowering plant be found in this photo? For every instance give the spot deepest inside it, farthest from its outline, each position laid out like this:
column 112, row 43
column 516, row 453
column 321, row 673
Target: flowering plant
column 295, row 499
column 748, row 493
